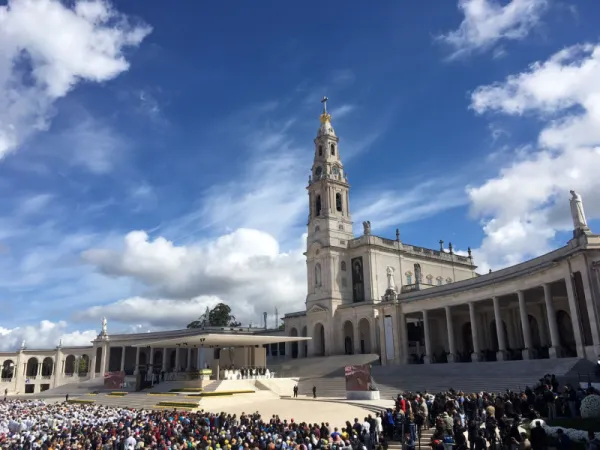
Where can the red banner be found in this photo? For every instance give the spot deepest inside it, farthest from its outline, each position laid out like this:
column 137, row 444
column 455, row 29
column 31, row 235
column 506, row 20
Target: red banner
column 358, row 378
column 114, row 380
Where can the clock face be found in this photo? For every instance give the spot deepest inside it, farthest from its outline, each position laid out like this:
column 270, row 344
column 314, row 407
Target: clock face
column 336, row 170
column 319, row 171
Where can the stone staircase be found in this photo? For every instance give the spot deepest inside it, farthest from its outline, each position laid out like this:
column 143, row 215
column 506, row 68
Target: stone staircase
column 470, row 377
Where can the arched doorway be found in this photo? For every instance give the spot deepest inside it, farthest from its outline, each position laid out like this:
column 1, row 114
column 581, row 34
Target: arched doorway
column 143, row 360
column 98, row 367
column 565, row 332
column 364, row 333
column 348, row 338
column 304, row 344
column 32, row 367
column 47, row 366
column 8, row 369
column 84, row 365
column 319, row 340
column 294, row 333
column 467, row 337
column 70, row 365
column 494, row 335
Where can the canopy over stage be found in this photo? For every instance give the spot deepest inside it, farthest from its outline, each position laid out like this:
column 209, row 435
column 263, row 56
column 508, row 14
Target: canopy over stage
column 216, row 340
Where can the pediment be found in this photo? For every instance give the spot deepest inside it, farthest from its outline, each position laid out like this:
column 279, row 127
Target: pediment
column 317, row 309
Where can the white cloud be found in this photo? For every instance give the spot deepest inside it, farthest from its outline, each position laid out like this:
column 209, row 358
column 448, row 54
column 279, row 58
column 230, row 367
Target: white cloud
column 487, row 22
column 46, row 334
column 245, row 269
column 387, row 208
column 46, row 49
column 341, row 111
column 527, row 202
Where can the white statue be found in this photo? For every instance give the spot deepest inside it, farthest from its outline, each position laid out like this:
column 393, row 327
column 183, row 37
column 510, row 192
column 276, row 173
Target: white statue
column 104, row 325
column 390, row 276
column 23, row 344
column 60, row 342
column 579, row 222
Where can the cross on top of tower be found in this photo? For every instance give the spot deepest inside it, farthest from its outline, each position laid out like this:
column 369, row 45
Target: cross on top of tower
column 325, row 117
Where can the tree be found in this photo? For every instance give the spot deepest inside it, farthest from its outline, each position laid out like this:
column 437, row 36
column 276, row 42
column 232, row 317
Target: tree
column 83, row 366
column 219, row 316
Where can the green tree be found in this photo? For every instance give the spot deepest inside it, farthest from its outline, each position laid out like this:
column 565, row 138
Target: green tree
column 83, row 365
column 219, row 316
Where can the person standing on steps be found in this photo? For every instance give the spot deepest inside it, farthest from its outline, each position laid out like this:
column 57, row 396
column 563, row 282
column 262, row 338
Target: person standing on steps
column 295, row 391
column 314, row 392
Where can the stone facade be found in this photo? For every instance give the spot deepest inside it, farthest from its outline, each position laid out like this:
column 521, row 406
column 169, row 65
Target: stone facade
column 412, row 304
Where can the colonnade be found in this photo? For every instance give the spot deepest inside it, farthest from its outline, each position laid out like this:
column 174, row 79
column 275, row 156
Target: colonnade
column 584, row 325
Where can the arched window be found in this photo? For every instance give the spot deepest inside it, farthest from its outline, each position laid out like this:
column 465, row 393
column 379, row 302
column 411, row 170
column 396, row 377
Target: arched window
column 429, row 279
column 439, row 281
column 320, row 150
column 448, row 280
column 332, row 149
column 318, row 275
column 343, row 266
column 318, row 205
column 408, row 277
column 317, row 229
column 341, row 227
column 338, row 202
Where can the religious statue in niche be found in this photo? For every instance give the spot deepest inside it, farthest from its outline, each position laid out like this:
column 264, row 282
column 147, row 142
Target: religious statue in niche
column 578, row 214
column 418, row 274
column 358, row 285
column 390, row 276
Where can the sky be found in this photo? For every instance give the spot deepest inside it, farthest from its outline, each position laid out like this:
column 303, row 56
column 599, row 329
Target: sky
column 154, row 160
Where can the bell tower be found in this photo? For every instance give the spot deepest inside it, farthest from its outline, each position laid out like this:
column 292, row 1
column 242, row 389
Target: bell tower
column 329, row 219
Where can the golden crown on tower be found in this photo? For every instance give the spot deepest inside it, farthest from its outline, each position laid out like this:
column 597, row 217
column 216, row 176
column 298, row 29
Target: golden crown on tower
column 325, row 117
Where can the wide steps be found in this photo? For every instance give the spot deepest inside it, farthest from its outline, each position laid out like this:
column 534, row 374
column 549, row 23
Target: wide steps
column 469, row 377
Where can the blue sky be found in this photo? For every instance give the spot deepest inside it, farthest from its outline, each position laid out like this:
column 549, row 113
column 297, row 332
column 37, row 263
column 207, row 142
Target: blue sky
column 154, row 159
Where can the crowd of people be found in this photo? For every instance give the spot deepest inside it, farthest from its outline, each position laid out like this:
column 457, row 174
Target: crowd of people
column 457, row 420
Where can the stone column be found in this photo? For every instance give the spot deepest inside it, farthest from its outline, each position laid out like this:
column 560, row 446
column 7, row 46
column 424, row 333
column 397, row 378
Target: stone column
column 92, row 368
column 528, row 350
column 177, row 355
column 164, row 359
column 105, row 359
column 189, row 359
column 427, row 358
column 382, row 341
column 356, row 338
column 501, row 354
column 589, row 304
column 451, row 341
column 123, row 353
column 475, row 356
column 137, row 361
column 403, row 339
column 554, row 350
column 575, row 321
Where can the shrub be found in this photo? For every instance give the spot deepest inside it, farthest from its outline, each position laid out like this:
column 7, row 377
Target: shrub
column 590, row 407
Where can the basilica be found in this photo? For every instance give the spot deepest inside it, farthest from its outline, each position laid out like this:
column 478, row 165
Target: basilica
column 409, row 304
